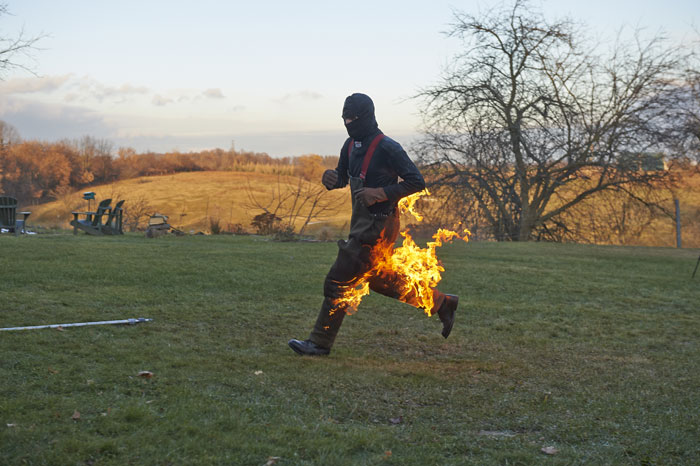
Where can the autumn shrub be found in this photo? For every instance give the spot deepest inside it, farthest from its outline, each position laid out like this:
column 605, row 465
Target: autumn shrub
column 236, row 229
column 284, row 233
column 266, row 223
column 215, row 225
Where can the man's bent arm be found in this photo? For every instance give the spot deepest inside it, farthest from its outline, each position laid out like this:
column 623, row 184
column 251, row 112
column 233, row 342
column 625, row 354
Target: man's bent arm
column 412, row 180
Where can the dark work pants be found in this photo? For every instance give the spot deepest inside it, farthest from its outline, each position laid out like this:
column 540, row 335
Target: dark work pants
column 352, row 263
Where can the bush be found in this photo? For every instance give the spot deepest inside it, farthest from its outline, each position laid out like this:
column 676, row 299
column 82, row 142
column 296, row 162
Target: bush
column 214, row 226
column 266, row 223
column 236, row 229
column 284, row 234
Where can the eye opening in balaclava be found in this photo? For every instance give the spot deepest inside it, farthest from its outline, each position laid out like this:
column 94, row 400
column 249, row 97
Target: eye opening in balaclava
column 360, row 108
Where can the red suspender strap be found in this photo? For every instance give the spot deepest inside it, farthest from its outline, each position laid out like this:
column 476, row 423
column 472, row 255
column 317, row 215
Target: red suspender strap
column 369, row 154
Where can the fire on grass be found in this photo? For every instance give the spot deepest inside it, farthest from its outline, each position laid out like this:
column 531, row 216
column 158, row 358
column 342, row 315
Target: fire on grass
column 416, row 270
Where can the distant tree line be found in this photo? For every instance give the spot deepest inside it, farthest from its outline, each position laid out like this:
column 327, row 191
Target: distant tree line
column 35, row 172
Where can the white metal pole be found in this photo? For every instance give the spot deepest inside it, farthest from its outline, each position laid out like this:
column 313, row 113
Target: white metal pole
column 81, row 324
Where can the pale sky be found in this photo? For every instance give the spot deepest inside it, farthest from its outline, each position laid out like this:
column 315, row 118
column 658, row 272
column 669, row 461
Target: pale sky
column 269, row 75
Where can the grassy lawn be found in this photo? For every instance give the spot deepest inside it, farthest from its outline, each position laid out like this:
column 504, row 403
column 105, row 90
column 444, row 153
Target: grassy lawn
column 590, row 350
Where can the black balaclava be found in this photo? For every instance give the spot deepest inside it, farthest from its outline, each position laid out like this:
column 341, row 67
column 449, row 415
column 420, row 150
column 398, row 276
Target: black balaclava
column 362, row 107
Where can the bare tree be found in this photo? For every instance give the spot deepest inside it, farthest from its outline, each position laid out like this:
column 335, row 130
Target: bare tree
column 11, row 48
column 685, row 134
column 530, row 121
column 296, row 204
column 8, row 137
column 136, row 213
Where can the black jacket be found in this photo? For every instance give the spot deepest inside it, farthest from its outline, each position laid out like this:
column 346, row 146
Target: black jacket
column 389, row 163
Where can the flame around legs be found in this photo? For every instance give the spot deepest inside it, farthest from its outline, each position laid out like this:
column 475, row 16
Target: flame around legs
column 351, row 296
column 411, row 271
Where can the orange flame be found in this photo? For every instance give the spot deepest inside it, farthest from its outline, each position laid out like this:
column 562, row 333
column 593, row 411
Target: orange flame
column 408, row 203
column 414, row 271
column 352, row 295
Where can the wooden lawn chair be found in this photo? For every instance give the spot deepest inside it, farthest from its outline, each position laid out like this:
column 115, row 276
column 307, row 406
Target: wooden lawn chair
column 92, row 224
column 8, row 216
column 113, row 224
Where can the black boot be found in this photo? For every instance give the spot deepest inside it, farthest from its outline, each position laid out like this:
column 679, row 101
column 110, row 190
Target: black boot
column 327, row 324
column 308, row 348
column 446, row 313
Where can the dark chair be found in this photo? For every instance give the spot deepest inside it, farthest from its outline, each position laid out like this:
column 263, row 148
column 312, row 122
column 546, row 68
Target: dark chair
column 113, row 224
column 92, row 224
column 8, row 216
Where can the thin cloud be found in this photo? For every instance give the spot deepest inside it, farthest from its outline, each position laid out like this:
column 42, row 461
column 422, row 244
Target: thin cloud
column 309, row 95
column 101, row 92
column 45, row 84
column 124, row 89
column 160, row 101
column 88, row 88
column 214, row 93
column 301, row 95
column 36, row 120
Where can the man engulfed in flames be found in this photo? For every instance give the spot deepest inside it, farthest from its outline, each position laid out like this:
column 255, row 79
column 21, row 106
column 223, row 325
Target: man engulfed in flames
column 383, row 182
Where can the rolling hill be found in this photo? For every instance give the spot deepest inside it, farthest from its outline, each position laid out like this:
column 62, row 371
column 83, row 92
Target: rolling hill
column 191, row 199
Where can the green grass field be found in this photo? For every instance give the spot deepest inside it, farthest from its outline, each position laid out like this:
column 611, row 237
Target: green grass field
column 592, row 351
